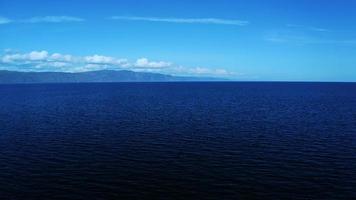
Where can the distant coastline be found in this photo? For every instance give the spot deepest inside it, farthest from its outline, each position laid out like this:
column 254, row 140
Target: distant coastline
column 105, row 76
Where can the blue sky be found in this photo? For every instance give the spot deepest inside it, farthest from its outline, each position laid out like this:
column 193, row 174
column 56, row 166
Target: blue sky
column 295, row 40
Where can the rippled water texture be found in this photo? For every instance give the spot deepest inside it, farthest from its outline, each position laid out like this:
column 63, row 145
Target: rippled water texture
column 178, row 141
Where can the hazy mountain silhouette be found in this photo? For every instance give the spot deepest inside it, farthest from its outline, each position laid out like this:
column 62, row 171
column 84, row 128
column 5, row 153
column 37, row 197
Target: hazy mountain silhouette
column 92, row 76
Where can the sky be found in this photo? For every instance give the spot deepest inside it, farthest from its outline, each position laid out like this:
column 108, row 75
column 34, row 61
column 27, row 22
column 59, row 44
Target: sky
column 249, row 40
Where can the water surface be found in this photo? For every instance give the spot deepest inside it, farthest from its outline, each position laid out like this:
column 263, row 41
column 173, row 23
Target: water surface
column 178, row 141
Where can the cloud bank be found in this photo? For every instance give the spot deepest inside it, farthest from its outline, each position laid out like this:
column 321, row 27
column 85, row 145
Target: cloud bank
column 57, row 62
column 184, row 20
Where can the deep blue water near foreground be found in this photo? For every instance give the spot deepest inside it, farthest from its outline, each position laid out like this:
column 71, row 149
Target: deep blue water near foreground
column 178, row 141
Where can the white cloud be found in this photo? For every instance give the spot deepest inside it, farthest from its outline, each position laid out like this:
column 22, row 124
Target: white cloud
column 97, row 59
column 4, row 20
column 305, row 39
column 53, row 65
column 185, row 20
column 53, row 19
column 11, row 58
column 222, row 72
column 203, row 71
column 44, row 61
column 105, row 60
column 309, row 28
column 307, row 35
column 32, row 56
column 145, row 63
column 44, row 19
column 38, row 55
column 60, row 57
column 61, row 62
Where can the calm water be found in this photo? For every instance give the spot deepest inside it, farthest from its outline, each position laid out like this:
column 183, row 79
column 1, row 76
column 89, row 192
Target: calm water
column 178, row 141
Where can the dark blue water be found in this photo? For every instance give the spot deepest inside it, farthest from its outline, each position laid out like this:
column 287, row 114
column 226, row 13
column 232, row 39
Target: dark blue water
column 178, row 141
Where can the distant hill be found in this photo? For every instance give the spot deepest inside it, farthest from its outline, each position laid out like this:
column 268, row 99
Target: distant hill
column 9, row 77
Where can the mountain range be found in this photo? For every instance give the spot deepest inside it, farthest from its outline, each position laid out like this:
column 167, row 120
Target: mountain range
column 13, row 77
